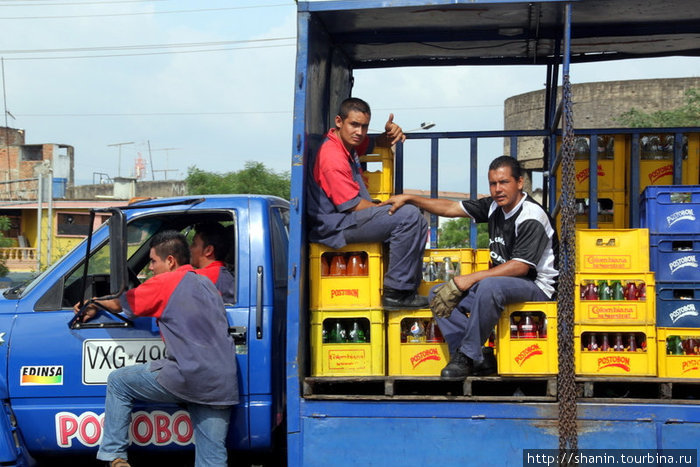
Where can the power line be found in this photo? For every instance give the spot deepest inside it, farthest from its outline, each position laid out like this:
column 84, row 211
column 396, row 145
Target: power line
column 149, row 53
column 15, row 3
column 104, row 15
column 143, row 46
column 156, row 114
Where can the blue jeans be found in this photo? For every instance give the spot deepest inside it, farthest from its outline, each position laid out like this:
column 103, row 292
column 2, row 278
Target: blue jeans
column 484, row 302
column 138, row 382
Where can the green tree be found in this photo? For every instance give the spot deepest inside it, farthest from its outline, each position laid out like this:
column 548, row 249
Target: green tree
column 455, row 234
column 686, row 115
column 4, row 242
column 255, row 178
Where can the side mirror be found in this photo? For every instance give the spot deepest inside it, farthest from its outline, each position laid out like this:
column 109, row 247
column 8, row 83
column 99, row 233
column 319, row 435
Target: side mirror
column 117, row 252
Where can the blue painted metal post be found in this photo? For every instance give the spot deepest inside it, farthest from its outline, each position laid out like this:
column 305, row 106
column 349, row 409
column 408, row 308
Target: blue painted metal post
column 593, row 182
column 398, row 169
column 433, row 189
column 473, row 186
column 634, row 182
column 678, row 159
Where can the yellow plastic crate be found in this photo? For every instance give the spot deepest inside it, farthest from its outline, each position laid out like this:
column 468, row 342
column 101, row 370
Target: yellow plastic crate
column 612, row 312
column 421, row 358
column 612, row 250
column 660, row 171
column 681, row 365
column 347, row 358
column 641, row 362
column 612, row 154
column 343, row 292
column 528, row 355
column 482, row 258
column 379, row 182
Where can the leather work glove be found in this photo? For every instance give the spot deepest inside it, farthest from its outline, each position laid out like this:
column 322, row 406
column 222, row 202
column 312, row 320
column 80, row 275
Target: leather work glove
column 445, row 299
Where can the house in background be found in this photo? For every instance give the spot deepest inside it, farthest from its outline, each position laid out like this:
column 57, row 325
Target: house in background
column 63, row 225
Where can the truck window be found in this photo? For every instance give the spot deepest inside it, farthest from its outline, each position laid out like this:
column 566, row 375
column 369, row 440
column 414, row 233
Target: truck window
column 66, row 292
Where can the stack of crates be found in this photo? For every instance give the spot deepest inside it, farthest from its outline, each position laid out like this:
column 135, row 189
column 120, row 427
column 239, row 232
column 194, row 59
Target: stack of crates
column 612, row 201
column 347, row 319
column 380, row 179
column 614, row 307
column 527, row 339
column 671, row 215
column 656, row 159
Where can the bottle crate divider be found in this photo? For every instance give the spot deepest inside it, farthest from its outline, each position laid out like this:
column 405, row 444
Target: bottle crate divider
column 670, row 209
column 612, row 250
column 361, row 289
column 527, row 339
column 364, row 357
column 620, row 298
column 679, row 352
column 678, row 304
column 675, row 258
column 595, row 354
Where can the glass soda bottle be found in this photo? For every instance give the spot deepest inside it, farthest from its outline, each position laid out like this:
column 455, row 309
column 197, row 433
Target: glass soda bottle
column 416, row 333
column 619, row 346
column 631, row 342
column 590, row 292
column 432, row 270
column 631, row 291
column 514, row 334
column 526, row 328
column 606, row 344
column 592, row 342
column 618, row 292
column 338, row 265
column 673, row 345
column 325, row 265
column 604, row 292
column 543, row 328
column 354, row 265
column 432, row 332
column 357, row 335
column 449, row 269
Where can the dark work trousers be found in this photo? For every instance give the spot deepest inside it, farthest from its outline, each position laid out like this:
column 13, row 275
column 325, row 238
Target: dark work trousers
column 484, row 302
column 406, row 232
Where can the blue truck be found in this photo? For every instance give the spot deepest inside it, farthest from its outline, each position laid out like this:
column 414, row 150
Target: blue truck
column 53, row 372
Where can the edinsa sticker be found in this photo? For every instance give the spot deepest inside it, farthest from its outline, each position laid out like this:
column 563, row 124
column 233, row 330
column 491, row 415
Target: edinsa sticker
column 41, row 375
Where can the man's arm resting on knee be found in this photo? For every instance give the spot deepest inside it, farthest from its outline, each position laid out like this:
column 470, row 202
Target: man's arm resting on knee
column 440, row 207
column 512, row 268
column 363, row 204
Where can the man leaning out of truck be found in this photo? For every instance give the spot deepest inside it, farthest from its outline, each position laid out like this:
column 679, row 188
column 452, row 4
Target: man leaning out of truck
column 341, row 211
column 200, row 367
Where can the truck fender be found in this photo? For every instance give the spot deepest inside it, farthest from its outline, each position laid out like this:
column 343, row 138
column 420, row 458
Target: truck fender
column 11, row 448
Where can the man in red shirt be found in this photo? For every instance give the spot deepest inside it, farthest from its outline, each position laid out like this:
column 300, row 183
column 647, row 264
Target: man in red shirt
column 208, row 250
column 341, row 211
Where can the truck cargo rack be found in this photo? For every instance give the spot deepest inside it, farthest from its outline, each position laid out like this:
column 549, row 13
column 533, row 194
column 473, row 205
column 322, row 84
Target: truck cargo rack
column 503, row 389
column 477, row 388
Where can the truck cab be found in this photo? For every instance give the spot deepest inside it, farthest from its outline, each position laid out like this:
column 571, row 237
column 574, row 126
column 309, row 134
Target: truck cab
column 53, row 372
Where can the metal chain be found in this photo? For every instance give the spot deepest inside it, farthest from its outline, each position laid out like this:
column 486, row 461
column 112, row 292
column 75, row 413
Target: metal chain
column 566, row 384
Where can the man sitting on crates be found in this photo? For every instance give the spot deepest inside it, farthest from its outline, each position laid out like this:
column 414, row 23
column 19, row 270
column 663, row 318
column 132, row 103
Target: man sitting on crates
column 341, row 211
column 524, row 251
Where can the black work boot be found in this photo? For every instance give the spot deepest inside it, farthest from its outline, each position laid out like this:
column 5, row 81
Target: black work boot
column 488, row 365
column 460, row 367
column 393, row 299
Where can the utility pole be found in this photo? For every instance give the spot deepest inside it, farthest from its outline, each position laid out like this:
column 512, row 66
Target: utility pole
column 165, row 172
column 119, row 145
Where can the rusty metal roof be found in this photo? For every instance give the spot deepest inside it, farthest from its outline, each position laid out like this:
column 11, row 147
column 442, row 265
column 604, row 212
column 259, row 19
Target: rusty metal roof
column 377, row 33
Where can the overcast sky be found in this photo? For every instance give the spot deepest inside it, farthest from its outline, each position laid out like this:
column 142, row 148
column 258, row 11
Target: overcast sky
column 210, row 84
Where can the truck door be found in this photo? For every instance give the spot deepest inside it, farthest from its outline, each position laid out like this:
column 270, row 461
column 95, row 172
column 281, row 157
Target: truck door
column 57, row 376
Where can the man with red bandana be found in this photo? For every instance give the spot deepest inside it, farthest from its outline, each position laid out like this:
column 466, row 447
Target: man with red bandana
column 199, row 369
column 341, row 211
column 208, row 250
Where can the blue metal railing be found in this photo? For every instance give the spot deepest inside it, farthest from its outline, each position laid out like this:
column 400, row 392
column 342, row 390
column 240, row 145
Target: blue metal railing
column 551, row 193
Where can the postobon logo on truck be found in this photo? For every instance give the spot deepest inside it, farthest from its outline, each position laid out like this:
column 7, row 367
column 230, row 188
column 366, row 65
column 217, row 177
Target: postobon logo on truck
column 157, row 428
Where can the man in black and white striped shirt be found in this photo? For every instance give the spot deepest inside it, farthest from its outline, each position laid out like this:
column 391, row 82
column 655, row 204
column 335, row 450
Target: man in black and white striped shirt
column 524, row 257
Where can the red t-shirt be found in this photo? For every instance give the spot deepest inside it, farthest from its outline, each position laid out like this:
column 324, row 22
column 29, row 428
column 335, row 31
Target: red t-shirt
column 332, row 171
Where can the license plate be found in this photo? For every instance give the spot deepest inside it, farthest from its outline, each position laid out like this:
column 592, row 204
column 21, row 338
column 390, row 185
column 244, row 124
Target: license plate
column 102, row 356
